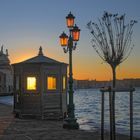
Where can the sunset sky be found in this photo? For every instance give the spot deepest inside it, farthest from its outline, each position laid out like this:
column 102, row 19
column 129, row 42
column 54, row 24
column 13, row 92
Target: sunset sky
column 27, row 24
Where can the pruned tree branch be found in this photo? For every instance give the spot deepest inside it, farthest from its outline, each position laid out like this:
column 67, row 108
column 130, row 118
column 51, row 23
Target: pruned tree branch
column 112, row 37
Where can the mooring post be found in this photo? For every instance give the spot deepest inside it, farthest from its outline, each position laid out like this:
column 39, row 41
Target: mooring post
column 131, row 115
column 102, row 116
column 111, row 113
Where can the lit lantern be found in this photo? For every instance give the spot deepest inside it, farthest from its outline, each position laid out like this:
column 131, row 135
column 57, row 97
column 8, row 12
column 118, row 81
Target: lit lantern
column 63, row 39
column 75, row 33
column 70, row 20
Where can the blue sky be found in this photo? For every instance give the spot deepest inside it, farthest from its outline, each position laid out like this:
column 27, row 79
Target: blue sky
column 27, row 24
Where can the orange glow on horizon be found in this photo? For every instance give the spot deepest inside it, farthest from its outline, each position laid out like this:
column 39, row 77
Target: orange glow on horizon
column 83, row 70
column 20, row 56
column 106, row 74
column 102, row 78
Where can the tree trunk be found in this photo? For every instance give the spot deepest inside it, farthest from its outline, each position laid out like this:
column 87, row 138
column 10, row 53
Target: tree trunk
column 114, row 76
column 113, row 102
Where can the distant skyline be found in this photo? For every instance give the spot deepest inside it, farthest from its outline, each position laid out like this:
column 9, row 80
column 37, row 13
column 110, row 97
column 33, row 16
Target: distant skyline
column 25, row 25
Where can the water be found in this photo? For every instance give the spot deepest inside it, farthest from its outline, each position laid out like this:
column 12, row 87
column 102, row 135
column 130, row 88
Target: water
column 8, row 100
column 88, row 110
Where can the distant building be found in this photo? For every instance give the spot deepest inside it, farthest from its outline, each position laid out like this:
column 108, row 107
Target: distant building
column 84, row 84
column 132, row 82
column 6, row 75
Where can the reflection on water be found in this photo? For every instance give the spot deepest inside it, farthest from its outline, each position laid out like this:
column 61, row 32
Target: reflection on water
column 8, row 100
column 88, row 110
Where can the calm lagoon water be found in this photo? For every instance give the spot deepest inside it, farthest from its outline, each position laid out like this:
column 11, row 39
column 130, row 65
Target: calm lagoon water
column 88, row 110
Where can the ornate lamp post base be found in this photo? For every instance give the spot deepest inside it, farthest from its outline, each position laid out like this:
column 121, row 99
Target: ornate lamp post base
column 70, row 123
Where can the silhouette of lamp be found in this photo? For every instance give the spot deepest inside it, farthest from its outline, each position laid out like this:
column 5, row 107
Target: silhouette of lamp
column 69, row 44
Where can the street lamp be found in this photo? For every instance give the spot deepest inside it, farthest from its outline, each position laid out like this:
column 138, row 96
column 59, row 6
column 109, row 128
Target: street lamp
column 69, row 44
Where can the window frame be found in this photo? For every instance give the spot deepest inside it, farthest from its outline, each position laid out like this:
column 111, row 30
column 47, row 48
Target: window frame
column 25, row 83
column 46, row 83
column 29, row 80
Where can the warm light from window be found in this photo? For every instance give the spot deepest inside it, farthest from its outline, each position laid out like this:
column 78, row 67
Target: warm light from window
column 51, row 83
column 64, row 82
column 31, row 83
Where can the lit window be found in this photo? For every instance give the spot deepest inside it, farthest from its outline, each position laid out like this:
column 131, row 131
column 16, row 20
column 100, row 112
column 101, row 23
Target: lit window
column 51, row 80
column 31, row 83
column 64, row 82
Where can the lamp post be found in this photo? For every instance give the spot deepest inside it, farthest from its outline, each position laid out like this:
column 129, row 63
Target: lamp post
column 69, row 44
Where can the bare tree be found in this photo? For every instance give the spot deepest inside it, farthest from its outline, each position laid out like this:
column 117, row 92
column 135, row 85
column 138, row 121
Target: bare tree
column 112, row 41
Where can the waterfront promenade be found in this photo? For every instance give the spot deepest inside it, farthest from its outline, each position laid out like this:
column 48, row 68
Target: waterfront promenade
column 30, row 129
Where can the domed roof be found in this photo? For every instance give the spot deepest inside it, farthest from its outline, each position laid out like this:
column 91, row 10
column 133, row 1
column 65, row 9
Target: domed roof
column 4, row 60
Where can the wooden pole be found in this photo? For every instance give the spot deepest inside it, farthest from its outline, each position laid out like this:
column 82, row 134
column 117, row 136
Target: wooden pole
column 102, row 117
column 111, row 114
column 113, row 103
column 131, row 115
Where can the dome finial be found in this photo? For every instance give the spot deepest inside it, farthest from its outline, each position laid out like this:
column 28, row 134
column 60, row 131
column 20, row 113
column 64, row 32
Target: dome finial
column 40, row 51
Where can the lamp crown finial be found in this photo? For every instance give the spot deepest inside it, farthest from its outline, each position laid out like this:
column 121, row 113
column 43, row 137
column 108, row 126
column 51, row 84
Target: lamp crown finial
column 40, row 51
